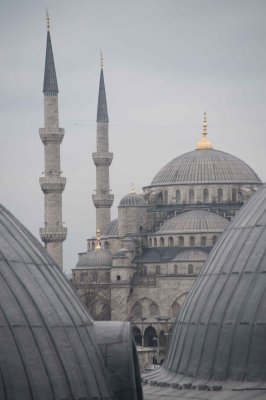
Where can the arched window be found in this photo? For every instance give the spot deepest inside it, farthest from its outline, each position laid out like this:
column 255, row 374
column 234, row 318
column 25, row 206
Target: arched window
column 180, row 241
column 234, row 195
column 93, row 246
column 205, row 196
column 214, row 240
column 137, row 335
column 154, row 309
column 106, row 245
column 161, row 241
column 165, row 197
column 178, row 196
column 175, row 309
column 170, row 241
column 190, row 269
column 94, row 276
column 192, row 240
column 175, row 269
column 136, row 310
column 191, row 195
column 155, row 242
column 150, row 336
column 150, row 242
column 158, row 269
column 89, row 246
column 203, row 241
column 220, row 195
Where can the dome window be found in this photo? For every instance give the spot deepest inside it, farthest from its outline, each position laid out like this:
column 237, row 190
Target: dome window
column 175, row 269
column 220, row 195
column 178, row 196
column 205, row 196
column 192, row 241
column 165, row 197
column 161, row 242
column 191, row 196
column 155, row 242
column 150, row 242
column 170, row 241
column 203, row 241
column 234, row 195
column 190, row 269
column 214, row 240
column 180, row 241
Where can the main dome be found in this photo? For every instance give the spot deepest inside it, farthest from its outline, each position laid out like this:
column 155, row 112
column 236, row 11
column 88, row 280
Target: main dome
column 205, row 167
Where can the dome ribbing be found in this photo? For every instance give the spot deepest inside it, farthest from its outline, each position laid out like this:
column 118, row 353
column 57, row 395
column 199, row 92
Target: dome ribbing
column 205, row 167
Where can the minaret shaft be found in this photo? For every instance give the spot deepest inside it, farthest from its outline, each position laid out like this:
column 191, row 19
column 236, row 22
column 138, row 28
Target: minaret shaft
column 52, row 183
column 103, row 200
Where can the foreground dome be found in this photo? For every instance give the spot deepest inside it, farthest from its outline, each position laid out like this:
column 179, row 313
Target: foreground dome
column 194, row 221
column 220, row 334
column 48, row 345
column 207, row 166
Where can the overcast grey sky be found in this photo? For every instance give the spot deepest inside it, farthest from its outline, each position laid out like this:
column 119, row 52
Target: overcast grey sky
column 165, row 62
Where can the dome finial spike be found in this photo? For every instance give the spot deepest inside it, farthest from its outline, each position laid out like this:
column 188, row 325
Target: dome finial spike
column 47, row 20
column 204, row 143
column 101, row 58
column 98, row 239
column 133, row 188
column 204, row 125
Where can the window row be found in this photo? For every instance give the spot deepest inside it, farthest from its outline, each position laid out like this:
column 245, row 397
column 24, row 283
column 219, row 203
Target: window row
column 206, row 196
column 155, row 242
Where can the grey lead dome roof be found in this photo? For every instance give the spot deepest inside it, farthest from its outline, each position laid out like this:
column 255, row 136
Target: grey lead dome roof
column 94, row 259
column 48, row 346
column 221, row 331
column 191, row 255
column 133, row 200
column 205, row 167
column 194, row 221
column 111, row 229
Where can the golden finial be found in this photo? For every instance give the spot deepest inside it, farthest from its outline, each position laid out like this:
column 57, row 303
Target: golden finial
column 98, row 239
column 101, row 58
column 47, row 20
column 204, row 143
column 132, row 188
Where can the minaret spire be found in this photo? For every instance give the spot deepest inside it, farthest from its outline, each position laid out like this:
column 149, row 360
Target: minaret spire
column 52, row 184
column 102, row 200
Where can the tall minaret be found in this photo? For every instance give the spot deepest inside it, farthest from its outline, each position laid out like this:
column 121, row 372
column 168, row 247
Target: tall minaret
column 52, row 184
column 102, row 200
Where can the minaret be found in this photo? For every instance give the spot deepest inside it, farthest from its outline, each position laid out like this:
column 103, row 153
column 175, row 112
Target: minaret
column 102, row 200
column 52, row 184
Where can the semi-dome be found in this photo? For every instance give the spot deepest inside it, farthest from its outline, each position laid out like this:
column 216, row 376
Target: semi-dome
column 94, row 259
column 207, row 166
column 133, row 200
column 220, row 334
column 194, row 221
column 48, row 345
column 111, row 229
column 190, row 255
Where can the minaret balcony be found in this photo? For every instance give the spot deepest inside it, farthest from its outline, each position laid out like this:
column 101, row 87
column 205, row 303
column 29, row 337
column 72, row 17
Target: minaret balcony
column 103, row 201
column 53, row 234
column 51, row 135
column 102, row 159
column 52, row 183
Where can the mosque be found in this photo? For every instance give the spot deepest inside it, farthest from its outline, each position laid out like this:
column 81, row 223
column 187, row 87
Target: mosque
column 142, row 265
column 51, row 348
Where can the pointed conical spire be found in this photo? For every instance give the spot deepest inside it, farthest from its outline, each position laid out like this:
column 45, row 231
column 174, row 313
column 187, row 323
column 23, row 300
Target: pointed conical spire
column 50, row 82
column 102, row 113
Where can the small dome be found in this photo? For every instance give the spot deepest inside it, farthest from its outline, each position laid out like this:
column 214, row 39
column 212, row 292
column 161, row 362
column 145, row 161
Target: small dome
column 194, row 221
column 94, row 259
column 191, row 255
column 133, row 200
column 205, row 167
column 111, row 229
